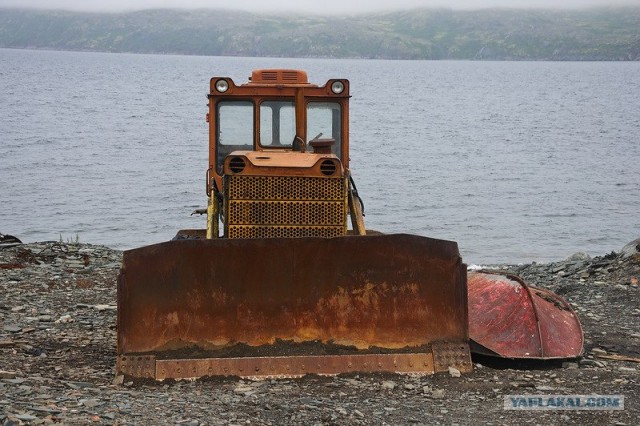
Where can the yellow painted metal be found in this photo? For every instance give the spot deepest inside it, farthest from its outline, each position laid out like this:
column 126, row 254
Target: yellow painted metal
column 345, row 213
column 216, row 217
column 209, row 219
column 357, row 217
column 213, row 214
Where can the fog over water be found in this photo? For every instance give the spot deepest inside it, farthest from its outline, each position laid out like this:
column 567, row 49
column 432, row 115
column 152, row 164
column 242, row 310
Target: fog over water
column 328, row 7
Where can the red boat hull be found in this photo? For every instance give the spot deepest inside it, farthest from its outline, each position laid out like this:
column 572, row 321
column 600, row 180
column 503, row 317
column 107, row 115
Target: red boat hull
column 510, row 319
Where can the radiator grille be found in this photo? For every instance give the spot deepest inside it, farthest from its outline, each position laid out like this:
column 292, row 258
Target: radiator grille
column 285, row 207
column 308, row 213
column 285, row 188
column 238, row 231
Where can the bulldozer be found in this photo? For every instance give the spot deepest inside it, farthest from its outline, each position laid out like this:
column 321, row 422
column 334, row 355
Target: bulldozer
column 285, row 280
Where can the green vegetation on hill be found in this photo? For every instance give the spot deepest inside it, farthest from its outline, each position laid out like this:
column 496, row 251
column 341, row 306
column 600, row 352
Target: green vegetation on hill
column 490, row 34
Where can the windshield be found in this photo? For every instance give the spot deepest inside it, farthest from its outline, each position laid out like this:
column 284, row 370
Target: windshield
column 277, row 119
column 277, row 123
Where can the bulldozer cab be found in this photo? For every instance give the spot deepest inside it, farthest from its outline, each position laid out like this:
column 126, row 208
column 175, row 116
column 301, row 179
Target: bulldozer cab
column 278, row 158
column 277, row 111
column 283, row 287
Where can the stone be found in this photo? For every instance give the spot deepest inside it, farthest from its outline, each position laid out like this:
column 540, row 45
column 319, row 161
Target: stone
column 388, row 385
column 104, row 307
column 91, row 403
column 590, row 363
column 454, row 372
column 437, row 393
column 78, row 385
column 244, row 390
column 7, row 374
column 16, row 381
column 12, row 328
column 46, row 410
column 630, row 249
column 64, row 319
column 578, row 257
column 545, row 388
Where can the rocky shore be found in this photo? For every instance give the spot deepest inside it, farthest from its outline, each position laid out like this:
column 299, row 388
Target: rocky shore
column 57, row 357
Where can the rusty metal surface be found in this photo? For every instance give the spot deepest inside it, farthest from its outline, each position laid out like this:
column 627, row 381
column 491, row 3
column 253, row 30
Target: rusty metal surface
column 142, row 366
column 294, row 366
column 388, row 291
column 451, row 354
column 442, row 356
column 510, row 319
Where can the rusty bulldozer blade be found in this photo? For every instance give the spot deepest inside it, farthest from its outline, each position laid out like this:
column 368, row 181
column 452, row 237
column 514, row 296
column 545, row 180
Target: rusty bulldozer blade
column 509, row 319
column 289, row 307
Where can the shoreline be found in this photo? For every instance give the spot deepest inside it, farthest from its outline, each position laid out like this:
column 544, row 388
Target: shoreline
column 537, row 258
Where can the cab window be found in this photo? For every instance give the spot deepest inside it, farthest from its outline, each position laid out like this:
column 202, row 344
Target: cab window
column 324, row 122
column 234, row 129
column 277, row 124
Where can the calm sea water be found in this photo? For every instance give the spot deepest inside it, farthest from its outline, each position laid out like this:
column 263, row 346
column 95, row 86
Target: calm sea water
column 516, row 161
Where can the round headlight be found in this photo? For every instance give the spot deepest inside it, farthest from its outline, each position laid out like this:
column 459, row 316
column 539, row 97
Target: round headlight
column 337, row 87
column 222, row 86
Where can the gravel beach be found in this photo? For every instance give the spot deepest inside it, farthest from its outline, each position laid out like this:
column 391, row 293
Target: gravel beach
column 58, row 336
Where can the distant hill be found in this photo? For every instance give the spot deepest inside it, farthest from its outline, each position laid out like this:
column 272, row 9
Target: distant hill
column 610, row 34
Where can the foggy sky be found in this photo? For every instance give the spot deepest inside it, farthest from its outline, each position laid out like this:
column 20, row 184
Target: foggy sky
column 325, row 7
